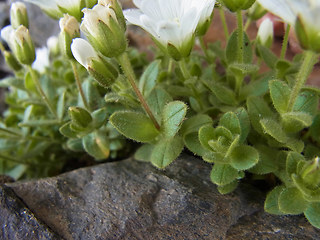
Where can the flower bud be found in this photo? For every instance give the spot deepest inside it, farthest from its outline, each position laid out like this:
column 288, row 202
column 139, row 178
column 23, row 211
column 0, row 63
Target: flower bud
column 101, row 27
column 310, row 174
column 236, row 5
column 12, row 61
column 18, row 15
column 115, row 5
column 265, row 33
column 80, row 117
column 23, row 47
column 308, row 34
column 256, row 11
column 103, row 71
column 69, row 30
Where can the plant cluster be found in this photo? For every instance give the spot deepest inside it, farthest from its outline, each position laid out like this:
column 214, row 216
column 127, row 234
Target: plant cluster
column 95, row 94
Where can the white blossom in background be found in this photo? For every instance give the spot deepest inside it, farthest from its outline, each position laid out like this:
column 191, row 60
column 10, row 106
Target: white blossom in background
column 7, row 35
column 49, row 6
column 265, row 33
column 82, row 51
column 42, row 59
column 303, row 15
column 172, row 22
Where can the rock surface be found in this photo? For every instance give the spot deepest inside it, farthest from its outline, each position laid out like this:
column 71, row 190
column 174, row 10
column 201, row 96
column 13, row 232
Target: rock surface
column 133, row 200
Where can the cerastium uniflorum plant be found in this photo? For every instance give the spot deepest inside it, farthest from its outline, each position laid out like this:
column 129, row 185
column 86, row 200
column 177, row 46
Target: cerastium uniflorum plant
column 89, row 91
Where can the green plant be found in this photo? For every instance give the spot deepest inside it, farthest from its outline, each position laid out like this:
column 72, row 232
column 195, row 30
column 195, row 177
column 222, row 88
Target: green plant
column 241, row 120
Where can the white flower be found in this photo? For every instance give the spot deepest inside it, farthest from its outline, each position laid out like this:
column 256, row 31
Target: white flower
column 82, row 51
column 50, row 7
column 42, row 59
column 171, row 22
column 304, row 15
column 7, row 35
column 265, row 33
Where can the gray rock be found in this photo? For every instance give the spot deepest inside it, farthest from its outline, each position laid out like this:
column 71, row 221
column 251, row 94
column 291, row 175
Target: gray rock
column 133, row 200
column 18, row 222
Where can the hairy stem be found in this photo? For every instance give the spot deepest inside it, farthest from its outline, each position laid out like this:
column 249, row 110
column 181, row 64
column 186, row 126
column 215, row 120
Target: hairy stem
column 41, row 92
column 182, row 64
column 128, row 71
column 285, row 43
column 240, row 36
column 78, row 82
column 204, row 48
column 224, row 23
column 302, row 76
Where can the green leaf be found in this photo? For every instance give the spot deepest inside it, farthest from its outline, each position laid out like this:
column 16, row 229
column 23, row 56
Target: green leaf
column 12, row 82
column 257, row 87
column 225, row 189
column 274, row 129
column 223, row 93
column 267, row 161
column 232, row 48
column 282, row 66
column 191, row 141
column 172, row 117
column 310, row 195
column 244, row 121
column 271, row 204
column 223, row 174
column 194, row 123
column 296, row 121
column 291, row 201
column 97, row 145
column 206, row 133
column 280, row 95
column 66, row 131
column 268, row 56
column 258, row 109
column 91, row 94
column 29, row 83
column 61, row 108
column 230, row 121
column 313, row 214
column 134, row 125
column 307, row 102
column 315, row 129
column 157, row 100
column 144, row 153
column 99, row 117
column 75, row 145
column 166, row 151
column 292, row 161
column 246, row 69
column 244, row 157
column 148, row 79
column 295, row 144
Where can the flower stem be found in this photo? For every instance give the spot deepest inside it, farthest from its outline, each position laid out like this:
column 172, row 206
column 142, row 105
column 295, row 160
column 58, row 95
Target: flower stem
column 224, row 23
column 41, row 92
column 204, row 48
column 240, row 36
column 76, row 76
column 128, row 71
column 305, row 70
column 285, row 42
column 170, row 66
column 182, row 64
column 2, row 48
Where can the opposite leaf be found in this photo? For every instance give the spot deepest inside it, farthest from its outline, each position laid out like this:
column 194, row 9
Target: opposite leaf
column 280, row 95
column 166, row 151
column 271, row 204
column 291, row 201
column 134, row 125
column 172, row 117
column 313, row 214
column 223, row 174
column 148, row 79
column 244, row 157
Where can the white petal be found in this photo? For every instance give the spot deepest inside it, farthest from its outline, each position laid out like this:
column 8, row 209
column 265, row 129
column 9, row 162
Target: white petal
column 281, row 8
column 82, row 51
column 7, row 33
column 42, row 59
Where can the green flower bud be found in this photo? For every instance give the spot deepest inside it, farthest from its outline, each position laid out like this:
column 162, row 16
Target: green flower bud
column 18, row 15
column 12, row 61
column 115, row 5
column 256, row 11
column 308, row 35
column 69, row 30
column 310, row 174
column 71, row 7
column 23, row 46
column 101, row 27
column 103, row 71
column 236, row 5
column 80, row 117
